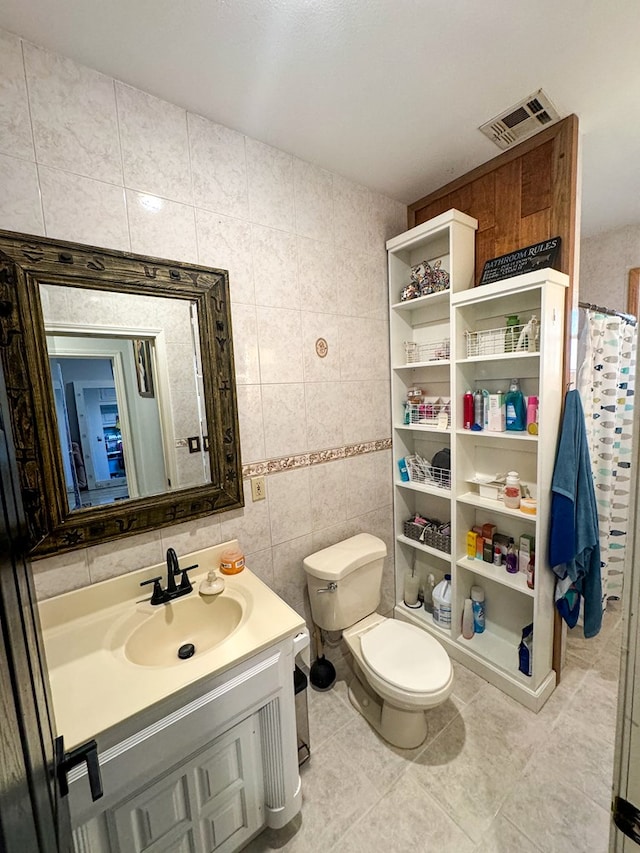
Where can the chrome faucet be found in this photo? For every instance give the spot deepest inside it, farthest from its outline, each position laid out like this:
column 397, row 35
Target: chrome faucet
column 173, row 590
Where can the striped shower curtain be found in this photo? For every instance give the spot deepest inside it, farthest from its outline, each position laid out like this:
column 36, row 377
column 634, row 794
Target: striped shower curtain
column 605, row 380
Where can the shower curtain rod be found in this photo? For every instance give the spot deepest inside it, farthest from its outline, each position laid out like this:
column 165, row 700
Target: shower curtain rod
column 628, row 317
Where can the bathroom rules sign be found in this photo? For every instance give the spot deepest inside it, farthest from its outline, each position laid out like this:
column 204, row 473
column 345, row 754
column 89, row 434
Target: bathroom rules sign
column 538, row 256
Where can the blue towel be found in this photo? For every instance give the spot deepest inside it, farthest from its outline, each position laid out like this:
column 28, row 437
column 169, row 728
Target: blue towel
column 574, row 538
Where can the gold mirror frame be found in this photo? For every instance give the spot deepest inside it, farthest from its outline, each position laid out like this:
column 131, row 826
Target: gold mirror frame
column 25, row 263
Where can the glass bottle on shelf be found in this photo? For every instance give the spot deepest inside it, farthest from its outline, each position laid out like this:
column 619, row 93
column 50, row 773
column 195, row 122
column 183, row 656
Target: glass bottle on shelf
column 531, row 572
column 512, row 558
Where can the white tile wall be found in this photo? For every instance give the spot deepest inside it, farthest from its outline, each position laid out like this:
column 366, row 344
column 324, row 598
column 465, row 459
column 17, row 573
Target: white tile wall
column 154, row 144
column 15, row 123
column 161, row 227
column 20, row 205
column 73, row 115
column 605, row 261
column 83, row 210
column 285, row 429
column 218, row 167
column 90, row 159
column 270, row 176
column 225, row 243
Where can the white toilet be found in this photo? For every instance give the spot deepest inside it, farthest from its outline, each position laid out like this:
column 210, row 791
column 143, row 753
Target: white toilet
column 401, row 670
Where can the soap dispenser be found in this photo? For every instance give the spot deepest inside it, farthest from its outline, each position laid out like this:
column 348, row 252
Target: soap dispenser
column 211, row 585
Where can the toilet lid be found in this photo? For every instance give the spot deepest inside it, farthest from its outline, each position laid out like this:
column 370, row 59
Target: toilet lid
column 406, row 657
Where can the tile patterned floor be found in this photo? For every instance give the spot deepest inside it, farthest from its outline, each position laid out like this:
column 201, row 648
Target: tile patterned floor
column 492, row 777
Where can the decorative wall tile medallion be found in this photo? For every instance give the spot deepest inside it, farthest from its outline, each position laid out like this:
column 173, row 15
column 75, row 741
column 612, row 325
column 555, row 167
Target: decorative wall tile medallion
column 322, row 348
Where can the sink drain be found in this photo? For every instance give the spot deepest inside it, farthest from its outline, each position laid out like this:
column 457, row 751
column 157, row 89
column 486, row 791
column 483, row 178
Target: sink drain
column 186, row 651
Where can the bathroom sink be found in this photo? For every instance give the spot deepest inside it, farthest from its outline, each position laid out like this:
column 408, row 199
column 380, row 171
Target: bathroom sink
column 191, row 626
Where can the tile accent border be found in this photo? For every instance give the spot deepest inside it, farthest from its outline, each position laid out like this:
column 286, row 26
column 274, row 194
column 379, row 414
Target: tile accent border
column 306, row 460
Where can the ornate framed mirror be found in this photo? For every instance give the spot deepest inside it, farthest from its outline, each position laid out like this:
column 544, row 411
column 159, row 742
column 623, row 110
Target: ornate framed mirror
column 120, row 378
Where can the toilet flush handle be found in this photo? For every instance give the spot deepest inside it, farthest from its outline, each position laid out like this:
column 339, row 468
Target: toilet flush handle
column 332, row 586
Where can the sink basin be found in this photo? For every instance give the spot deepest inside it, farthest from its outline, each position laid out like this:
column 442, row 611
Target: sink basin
column 199, row 621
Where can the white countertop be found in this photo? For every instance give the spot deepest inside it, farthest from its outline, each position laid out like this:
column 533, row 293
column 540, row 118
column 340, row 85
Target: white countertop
column 94, row 686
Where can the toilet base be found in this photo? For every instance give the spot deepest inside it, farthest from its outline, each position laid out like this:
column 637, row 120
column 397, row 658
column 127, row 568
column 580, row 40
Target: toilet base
column 399, row 727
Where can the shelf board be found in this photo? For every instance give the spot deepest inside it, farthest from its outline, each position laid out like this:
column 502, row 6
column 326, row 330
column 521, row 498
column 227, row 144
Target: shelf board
column 427, row 549
column 435, row 362
column 497, row 574
column 491, row 505
column 483, row 434
column 510, row 356
column 422, row 428
column 509, row 286
column 426, row 488
column 498, row 651
column 422, row 301
column 424, row 619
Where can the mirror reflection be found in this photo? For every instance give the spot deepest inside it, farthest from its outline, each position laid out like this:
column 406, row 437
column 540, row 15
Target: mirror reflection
column 126, row 377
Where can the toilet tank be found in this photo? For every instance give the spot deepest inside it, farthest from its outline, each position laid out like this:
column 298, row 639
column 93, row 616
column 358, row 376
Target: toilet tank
column 355, row 566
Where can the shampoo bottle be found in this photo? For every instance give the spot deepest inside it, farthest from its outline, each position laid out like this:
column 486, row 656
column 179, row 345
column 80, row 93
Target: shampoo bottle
column 516, row 408
column 512, row 558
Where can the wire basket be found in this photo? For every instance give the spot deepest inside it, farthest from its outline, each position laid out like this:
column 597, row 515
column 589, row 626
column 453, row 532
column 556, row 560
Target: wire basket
column 428, row 412
column 522, row 337
column 421, row 471
column 429, row 532
column 433, row 351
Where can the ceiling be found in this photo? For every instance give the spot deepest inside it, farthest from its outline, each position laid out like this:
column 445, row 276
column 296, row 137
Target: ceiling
column 388, row 93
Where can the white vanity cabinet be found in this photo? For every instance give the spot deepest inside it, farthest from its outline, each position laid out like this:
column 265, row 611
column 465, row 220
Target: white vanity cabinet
column 205, row 770
column 195, row 754
column 479, row 357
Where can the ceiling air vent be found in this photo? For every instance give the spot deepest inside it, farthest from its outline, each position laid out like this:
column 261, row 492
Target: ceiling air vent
column 521, row 121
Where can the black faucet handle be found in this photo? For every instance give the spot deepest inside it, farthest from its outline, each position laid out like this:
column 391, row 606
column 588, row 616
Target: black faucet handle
column 157, row 596
column 185, row 583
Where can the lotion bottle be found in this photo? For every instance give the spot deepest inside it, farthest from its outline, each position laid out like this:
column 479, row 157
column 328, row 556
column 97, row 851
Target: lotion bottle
column 467, row 619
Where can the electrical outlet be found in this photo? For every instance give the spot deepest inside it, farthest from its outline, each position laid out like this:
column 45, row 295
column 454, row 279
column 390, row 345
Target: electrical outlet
column 258, row 489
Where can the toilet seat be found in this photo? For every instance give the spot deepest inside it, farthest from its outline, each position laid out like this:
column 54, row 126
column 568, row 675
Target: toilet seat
column 406, row 657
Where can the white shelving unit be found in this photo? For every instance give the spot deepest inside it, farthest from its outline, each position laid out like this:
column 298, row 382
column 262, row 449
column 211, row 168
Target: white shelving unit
column 451, row 315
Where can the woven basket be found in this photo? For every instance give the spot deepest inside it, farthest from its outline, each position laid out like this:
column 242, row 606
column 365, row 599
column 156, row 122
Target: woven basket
column 427, row 536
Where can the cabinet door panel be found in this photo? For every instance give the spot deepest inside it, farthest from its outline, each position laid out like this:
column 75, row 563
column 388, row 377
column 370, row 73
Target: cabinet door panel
column 228, row 789
column 156, row 819
column 219, row 771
